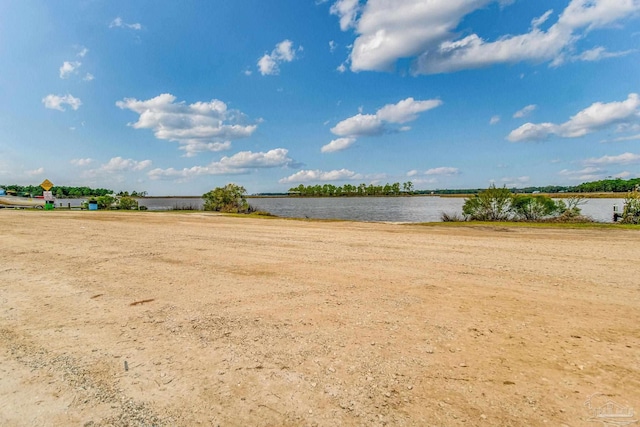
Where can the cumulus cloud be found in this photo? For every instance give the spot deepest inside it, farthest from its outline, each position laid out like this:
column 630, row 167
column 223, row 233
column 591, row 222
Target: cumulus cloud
column 67, row 68
column 443, row 171
column 360, row 125
column 56, row 102
column 197, row 127
column 387, row 31
column 119, row 23
column 240, row 163
column 494, row 120
column 319, row 175
column 88, row 77
column 269, row 63
column 81, row 162
column 593, row 118
column 525, row 111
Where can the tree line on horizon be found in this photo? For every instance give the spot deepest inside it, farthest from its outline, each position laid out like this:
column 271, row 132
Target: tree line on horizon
column 65, row 192
column 616, row 185
column 330, row 190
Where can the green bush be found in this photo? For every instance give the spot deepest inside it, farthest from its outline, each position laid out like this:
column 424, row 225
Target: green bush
column 230, row 199
column 492, row 204
column 535, row 208
column 127, row 203
column 499, row 204
column 631, row 211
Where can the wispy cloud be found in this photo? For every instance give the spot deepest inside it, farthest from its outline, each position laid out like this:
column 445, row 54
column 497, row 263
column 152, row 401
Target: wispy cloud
column 525, row 111
column 119, row 23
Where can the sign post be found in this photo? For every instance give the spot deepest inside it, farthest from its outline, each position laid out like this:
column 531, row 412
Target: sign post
column 49, row 202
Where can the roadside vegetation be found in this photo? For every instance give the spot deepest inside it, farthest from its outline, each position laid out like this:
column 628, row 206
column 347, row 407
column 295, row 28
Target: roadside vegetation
column 500, row 204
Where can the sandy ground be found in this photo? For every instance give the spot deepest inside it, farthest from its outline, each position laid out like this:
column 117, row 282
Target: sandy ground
column 130, row 319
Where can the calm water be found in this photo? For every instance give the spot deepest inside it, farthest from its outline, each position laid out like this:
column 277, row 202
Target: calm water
column 393, row 209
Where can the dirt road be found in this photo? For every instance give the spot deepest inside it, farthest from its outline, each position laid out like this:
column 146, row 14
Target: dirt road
column 111, row 318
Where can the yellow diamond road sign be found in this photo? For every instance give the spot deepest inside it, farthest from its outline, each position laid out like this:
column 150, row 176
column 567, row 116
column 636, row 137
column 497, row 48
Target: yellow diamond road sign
column 46, row 185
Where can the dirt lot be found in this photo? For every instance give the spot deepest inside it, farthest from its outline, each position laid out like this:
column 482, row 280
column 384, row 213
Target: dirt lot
column 196, row 319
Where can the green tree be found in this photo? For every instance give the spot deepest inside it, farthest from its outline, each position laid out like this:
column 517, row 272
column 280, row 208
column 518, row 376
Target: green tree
column 230, row 198
column 535, row 208
column 127, row 203
column 492, row 204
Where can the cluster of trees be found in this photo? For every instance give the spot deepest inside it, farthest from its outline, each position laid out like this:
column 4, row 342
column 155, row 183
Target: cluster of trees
column 330, row 190
column 609, row 185
column 500, row 204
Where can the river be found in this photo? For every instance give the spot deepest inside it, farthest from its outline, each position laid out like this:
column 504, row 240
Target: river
column 386, row 209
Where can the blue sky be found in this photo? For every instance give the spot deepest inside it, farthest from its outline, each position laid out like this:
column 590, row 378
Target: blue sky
column 176, row 98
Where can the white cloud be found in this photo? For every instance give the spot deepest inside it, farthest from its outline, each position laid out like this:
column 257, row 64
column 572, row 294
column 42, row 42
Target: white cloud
column 598, row 53
column 359, row 125
column 88, row 77
column 83, row 52
column 443, row 171
column 621, row 159
column 119, row 23
column 427, row 31
column 269, row 63
column 624, row 138
column 197, row 127
column 593, row 118
column 332, row 46
column 118, row 164
column 406, row 110
column 69, row 68
column 35, row 172
column 346, row 10
column 318, row 175
column 56, row 102
column 240, row 163
column 515, row 181
column 582, row 175
column 81, row 162
column 525, row 111
column 494, row 120
column 338, row 145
